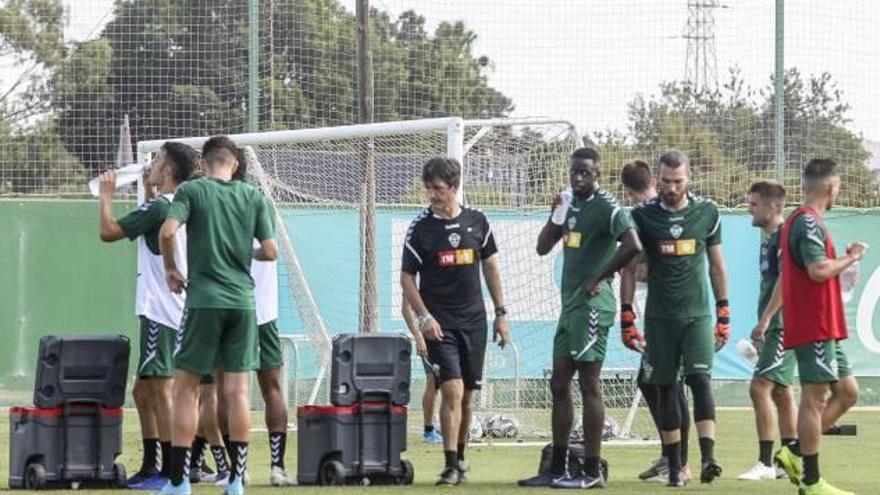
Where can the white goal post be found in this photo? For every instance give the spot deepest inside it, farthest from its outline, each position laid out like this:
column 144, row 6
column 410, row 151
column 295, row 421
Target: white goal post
column 511, row 167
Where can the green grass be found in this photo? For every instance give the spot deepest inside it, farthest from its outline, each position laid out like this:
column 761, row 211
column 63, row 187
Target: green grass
column 849, row 462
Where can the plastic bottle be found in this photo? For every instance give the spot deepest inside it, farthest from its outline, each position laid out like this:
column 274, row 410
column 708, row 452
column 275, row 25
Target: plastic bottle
column 126, row 175
column 558, row 216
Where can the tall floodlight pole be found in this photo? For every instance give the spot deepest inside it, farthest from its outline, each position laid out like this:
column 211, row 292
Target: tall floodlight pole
column 369, row 301
column 701, row 64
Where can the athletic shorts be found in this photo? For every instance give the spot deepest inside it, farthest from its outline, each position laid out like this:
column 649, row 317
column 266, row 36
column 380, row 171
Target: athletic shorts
column 774, row 362
column 217, row 338
column 686, row 345
column 208, row 380
column 822, row 362
column 582, row 335
column 460, row 356
column 271, row 354
column 156, row 357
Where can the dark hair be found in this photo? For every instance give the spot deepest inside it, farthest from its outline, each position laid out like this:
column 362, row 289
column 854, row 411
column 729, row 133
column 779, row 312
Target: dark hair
column 184, row 160
column 446, row 169
column 673, row 158
column 768, row 189
column 218, row 150
column 586, row 154
column 636, row 175
column 820, row 168
column 241, row 172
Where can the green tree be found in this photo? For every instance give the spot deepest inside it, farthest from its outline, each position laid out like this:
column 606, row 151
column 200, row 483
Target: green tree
column 728, row 134
column 31, row 34
column 179, row 68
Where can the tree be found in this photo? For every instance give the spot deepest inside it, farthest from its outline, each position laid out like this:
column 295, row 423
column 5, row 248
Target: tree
column 31, row 33
column 179, row 68
column 729, row 135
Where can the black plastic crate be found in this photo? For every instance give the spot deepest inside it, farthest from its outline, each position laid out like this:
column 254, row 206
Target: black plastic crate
column 81, row 368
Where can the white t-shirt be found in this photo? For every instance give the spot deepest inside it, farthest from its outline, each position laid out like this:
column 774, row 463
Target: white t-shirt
column 265, row 275
column 153, row 299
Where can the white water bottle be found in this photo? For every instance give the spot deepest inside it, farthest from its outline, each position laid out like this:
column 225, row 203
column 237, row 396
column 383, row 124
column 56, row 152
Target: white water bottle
column 747, row 351
column 558, row 216
column 126, row 175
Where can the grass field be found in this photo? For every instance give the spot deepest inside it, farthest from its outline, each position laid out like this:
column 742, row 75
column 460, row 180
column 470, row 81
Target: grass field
column 850, row 462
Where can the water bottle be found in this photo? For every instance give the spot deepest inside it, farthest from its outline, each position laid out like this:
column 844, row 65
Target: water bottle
column 848, row 280
column 126, row 175
column 558, row 216
column 849, row 277
column 747, row 351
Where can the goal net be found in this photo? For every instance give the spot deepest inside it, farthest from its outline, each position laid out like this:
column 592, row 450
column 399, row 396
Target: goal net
column 341, row 251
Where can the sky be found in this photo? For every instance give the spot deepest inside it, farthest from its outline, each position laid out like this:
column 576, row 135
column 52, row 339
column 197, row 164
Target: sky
column 585, row 60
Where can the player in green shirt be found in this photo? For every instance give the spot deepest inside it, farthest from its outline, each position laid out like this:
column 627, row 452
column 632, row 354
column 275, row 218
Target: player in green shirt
column 158, row 309
column 640, row 185
column 590, row 230
column 815, row 324
column 679, row 231
column 774, row 371
column 223, row 217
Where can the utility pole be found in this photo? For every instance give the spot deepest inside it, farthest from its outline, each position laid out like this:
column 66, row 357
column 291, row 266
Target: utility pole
column 369, row 302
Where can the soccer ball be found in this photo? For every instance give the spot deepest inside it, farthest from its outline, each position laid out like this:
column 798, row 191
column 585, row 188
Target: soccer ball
column 502, row 426
column 611, row 429
column 475, row 431
column 577, row 430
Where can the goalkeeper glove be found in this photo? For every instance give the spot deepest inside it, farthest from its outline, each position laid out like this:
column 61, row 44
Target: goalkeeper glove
column 630, row 335
column 722, row 323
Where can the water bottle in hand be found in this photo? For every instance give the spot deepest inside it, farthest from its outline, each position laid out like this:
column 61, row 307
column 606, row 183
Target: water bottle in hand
column 561, row 210
column 126, row 175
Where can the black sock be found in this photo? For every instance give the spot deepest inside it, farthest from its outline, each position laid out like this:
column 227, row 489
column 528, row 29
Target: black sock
column 707, row 449
column 765, row 448
column 795, row 447
column 429, row 428
column 460, row 452
column 226, row 441
column 178, row 468
column 684, row 448
column 166, row 457
column 559, row 461
column 150, row 464
column 198, row 452
column 591, row 467
column 673, row 454
column 811, row 469
column 220, row 458
column 451, row 458
column 239, row 459
column 277, row 447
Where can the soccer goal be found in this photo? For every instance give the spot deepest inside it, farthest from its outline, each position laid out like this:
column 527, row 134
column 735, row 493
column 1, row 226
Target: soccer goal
column 344, row 198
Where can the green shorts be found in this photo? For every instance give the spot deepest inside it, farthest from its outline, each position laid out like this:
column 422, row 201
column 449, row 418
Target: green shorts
column 271, row 354
column 208, row 380
column 686, row 344
column 822, row 362
column 582, row 335
column 774, row 362
column 217, row 338
column 157, row 350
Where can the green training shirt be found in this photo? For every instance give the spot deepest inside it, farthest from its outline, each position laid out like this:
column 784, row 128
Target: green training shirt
column 675, row 245
column 222, row 220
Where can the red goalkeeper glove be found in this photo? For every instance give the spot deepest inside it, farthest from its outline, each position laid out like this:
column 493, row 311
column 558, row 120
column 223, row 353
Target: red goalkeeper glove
column 722, row 323
column 630, row 335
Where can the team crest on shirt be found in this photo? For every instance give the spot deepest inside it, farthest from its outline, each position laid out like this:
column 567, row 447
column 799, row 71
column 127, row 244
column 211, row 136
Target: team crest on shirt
column 676, row 230
column 572, row 221
column 454, row 239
